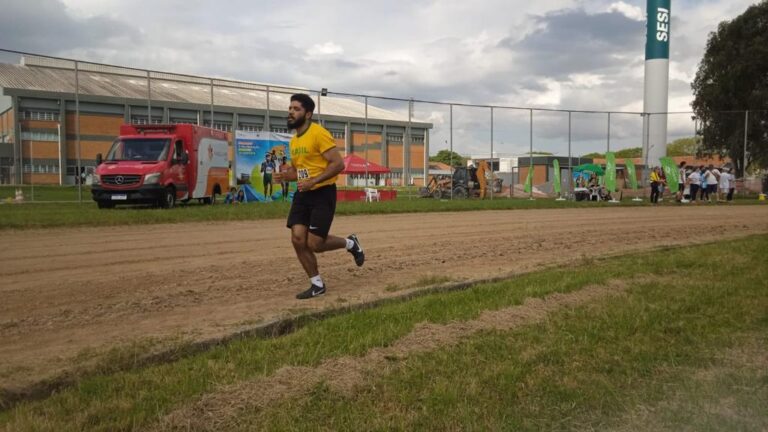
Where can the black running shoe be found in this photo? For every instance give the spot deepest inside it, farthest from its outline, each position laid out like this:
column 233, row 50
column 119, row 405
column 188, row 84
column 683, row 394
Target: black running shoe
column 313, row 291
column 357, row 251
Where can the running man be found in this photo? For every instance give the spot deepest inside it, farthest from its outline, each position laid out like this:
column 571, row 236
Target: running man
column 267, row 169
column 315, row 164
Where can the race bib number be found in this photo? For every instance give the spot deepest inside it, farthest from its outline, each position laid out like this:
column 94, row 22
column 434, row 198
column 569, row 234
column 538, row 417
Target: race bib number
column 302, row 174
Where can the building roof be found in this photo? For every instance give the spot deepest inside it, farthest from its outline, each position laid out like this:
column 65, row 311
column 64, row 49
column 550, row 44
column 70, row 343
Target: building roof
column 57, row 76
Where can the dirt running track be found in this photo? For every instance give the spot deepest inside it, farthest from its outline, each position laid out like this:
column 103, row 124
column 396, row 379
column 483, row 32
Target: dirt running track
column 69, row 291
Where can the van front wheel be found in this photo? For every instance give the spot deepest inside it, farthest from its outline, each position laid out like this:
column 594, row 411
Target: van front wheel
column 169, row 198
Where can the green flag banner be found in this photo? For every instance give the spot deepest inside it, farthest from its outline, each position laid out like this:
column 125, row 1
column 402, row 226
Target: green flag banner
column 631, row 173
column 556, row 165
column 529, row 180
column 610, row 171
column 670, row 171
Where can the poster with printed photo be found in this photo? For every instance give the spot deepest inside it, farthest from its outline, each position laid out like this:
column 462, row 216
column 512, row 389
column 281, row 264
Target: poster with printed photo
column 258, row 155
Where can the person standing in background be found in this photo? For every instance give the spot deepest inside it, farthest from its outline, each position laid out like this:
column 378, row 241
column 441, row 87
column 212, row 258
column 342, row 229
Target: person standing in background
column 284, row 166
column 655, row 185
column 694, row 180
column 681, row 180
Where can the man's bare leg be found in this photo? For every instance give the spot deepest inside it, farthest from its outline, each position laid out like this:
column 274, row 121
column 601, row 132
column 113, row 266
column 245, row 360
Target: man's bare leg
column 305, row 255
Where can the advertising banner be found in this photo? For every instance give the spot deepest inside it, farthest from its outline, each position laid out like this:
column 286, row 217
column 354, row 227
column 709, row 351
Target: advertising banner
column 529, row 180
column 671, row 173
column 258, row 155
column 610, row 171
column 631, row 173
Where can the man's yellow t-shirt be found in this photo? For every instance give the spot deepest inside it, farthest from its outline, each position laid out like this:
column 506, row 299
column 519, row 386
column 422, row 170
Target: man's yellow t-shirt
column 307, row 153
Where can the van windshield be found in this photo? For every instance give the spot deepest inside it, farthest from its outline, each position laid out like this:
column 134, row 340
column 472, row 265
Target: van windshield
column 139, row 149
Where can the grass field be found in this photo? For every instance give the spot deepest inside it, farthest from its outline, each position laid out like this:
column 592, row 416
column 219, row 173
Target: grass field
column 670, row 340
column 59, row 214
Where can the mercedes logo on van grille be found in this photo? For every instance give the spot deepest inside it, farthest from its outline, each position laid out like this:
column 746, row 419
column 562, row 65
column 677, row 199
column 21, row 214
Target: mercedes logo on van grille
column 119, row 180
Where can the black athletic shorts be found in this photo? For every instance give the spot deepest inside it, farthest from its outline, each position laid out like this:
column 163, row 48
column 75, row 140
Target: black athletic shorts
column 314, row 209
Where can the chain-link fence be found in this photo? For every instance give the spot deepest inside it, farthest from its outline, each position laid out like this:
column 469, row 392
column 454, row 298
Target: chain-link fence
column 57, row 114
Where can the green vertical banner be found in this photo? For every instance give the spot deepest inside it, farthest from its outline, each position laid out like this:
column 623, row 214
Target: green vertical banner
column 631, row 173
column 529, row 180
column 610, row 171
column 671, row 173
column 556, row 184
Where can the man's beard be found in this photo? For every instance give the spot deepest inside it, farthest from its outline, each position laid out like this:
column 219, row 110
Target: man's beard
column 298, row 123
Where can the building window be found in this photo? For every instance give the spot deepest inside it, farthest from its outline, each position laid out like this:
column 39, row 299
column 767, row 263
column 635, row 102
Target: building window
column 142, row 120
column 183, row 121
column 248, row 127
column 40, row 115
column 39, row 136
column 225, row 127
column 41, row 168
column 395, row 138
column 279, row 130
column 417, row 139
column 337, row 134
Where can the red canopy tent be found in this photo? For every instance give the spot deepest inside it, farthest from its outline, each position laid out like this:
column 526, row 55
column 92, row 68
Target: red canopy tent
column 354, row 164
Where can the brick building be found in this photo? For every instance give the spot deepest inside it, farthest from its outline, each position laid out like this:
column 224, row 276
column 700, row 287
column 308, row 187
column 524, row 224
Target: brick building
column 39, row 136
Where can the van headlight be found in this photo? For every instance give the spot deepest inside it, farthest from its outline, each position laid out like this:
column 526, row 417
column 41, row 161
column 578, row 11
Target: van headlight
column 96, row 180
column 153, row 178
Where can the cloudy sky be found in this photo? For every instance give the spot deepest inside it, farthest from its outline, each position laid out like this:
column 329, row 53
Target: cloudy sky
column 570, row 54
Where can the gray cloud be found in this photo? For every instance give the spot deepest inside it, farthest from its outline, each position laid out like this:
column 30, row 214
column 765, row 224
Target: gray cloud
column 46, row 26
column 573, row 41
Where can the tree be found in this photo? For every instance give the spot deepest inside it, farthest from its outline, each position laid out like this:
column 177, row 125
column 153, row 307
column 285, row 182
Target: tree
column 683, row 147
column 632, row 152
column 448, row 157
column 733, row 77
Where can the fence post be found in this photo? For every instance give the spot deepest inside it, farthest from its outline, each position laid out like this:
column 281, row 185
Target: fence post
column 530, row 154
column 211, row 103
column 746, row 131
column 267, row 126
column 450, row 124
column 492, row 183
column 149, row 99
column 78, row 178
column 570, row 159
column 365, row 141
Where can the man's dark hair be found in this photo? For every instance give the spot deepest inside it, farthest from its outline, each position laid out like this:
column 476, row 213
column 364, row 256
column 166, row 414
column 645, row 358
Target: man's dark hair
column 682, row 164
column 306, row 102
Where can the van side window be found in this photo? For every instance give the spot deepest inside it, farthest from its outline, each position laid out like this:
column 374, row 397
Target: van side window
column 178, row 150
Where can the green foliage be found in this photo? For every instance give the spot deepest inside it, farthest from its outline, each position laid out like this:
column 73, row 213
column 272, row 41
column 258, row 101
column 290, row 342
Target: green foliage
column 632, row 152
column 594, row 155
column 732, row 78
column 449, row 158
column 683, row 147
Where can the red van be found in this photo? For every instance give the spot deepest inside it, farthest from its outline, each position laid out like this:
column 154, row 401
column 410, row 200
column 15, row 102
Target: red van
column 160, row 164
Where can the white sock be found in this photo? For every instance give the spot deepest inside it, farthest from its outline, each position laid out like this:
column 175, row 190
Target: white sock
column 317, row 281
column 350, row 244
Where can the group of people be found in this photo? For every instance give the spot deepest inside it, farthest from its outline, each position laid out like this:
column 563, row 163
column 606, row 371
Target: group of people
column 702, row 183
column 235, row 196
column 273, row 164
